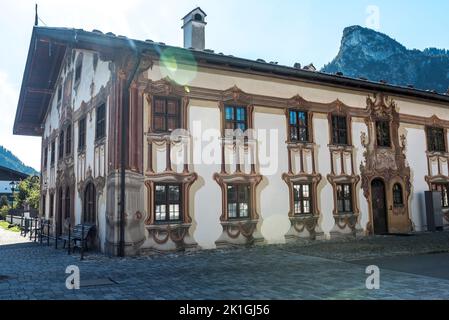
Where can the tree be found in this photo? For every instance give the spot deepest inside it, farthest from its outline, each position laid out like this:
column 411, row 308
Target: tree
column 4, row 202
column 28, row 192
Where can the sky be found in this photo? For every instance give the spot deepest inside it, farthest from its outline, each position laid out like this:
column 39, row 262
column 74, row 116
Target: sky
column 286, row 31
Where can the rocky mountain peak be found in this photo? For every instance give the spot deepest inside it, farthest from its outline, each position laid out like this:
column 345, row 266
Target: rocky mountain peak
column 365, row 53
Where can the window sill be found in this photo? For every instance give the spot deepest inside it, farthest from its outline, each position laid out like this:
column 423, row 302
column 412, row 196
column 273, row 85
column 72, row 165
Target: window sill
column 303, row 216
column 344, row 214
column 165, row 225
column 236, row 221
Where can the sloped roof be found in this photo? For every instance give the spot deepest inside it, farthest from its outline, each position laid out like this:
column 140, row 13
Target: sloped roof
column 48, row 46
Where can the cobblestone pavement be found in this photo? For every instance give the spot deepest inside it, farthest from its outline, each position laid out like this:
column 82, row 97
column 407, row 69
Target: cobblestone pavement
column 31, row 271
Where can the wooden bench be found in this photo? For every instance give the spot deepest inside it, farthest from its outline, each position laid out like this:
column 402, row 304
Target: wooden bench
column 77, row 237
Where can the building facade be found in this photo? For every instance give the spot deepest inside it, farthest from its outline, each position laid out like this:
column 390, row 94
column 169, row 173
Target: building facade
column 167, row 148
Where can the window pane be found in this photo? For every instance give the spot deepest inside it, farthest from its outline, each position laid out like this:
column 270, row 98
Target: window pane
column 160, row 212
column 160, row 194
column 159, row 106
column 348, row 206
column 305, row 191
column 174, row 193
column 172, row 124
column 241, row 126
column 303, row 136
column 229, row 113
column 302, row 118
column 347, row 190
column 293, row 133
column 232, row 194
column 241, row 114
column 159, row 123
column 172, row 107
column 296, row 192
column 174, row 212
column 244, row 210
column 232, row 210
column 306, row 206
column 243, row 194
column 293, row 120
column 340, row 206
column 298, row 207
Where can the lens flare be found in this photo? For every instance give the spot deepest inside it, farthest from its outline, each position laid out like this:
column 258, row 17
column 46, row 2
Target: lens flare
column 179, row 65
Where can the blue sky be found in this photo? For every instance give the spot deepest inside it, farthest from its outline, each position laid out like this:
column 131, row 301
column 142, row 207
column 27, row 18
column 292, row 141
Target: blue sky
column 286, row 31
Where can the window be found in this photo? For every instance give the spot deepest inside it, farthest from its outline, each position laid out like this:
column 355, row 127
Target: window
column 444, row 189
column 235, row 118
column 52, row 152
column 100, row 129
column 383, row 134
column 67, row 203
column 52, row 205
column 95, row 61
column 45, row 158
column 166, row 114
column 59, row 95
column 90, row 208
column 68, row 140
column 302, row 199
column 168, row 203
column 238, row 201
column 344, row 198
column 61, row 146
column 81, row 134
column 78, row 69
column 435, row 139
column 198, row 17
column 339, row 130
column 298, row 126
column 398, row 199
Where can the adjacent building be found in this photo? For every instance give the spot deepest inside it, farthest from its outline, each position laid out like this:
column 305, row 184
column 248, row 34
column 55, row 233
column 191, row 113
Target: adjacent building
column 166, row 148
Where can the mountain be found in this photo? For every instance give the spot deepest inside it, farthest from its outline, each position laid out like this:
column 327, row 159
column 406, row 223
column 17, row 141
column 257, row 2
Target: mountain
column 7, row 159
column 365, row 53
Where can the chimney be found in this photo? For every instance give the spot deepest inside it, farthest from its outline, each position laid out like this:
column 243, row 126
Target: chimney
column 194, row 29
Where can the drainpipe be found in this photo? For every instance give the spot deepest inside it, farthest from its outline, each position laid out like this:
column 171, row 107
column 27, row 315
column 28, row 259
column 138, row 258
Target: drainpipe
column 123, row 147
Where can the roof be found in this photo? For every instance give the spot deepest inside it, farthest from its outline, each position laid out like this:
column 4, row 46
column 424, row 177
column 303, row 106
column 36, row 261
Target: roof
column 197, row 8
column 7, row 174
column 48, row 46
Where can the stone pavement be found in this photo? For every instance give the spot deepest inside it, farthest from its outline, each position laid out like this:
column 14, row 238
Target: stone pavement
column 31, row 271
column 8, row 237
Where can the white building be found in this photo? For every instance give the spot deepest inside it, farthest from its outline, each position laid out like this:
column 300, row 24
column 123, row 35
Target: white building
column 329, row 155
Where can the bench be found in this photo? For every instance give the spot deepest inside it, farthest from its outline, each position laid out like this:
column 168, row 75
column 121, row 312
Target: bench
column 78, row 236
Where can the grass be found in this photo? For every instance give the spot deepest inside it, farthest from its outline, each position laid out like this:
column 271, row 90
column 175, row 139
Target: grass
column 5, row 225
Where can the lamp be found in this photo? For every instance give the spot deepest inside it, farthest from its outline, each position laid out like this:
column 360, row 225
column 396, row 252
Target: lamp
column 13, row 186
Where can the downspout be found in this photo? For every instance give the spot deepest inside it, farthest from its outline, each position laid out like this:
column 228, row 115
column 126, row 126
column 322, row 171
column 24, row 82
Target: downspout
column 123, row 148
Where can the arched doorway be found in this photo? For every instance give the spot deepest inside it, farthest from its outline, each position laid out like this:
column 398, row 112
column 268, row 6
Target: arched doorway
column 90, row 205
column 379, row 207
